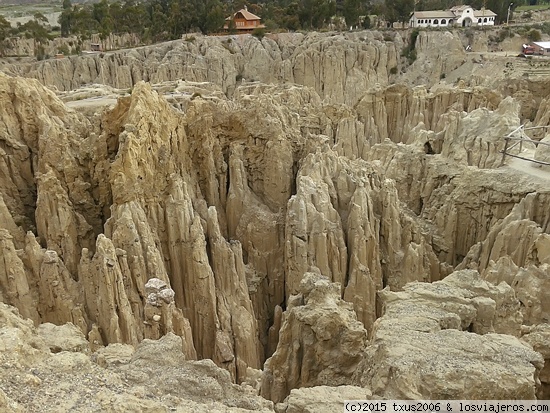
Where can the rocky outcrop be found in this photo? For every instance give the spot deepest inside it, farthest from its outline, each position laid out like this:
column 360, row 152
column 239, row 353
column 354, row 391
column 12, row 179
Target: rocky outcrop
column 529, row 221
column 320, row 341
column 431, row 62
column 537, row 337
column 392, row 112
column 542, row 154
column 529, row 282
column 338, row 66
column 345, row 223
column 156, row 376
column 18, row 46
column 424, row 346
column 321, row 399
column 195, row 221
column 66, row 337
column 456, row 200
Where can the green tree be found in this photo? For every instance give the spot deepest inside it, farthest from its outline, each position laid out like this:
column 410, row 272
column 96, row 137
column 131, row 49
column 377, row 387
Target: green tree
column 65, row 18
column 83, row 23
column 501, row 8
column 398, row 10
column 232, row 26
column 35, row 29
column 5, row 28
column 214, row 19
column 158, row 22
column 315, row 14
column 352, row 10
column 366, row 22
column 102, row 14
column 534, row 35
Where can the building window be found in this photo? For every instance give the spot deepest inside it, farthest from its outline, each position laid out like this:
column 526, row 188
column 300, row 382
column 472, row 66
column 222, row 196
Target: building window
column 436, row 21
column 485, row 20
column 443, row 21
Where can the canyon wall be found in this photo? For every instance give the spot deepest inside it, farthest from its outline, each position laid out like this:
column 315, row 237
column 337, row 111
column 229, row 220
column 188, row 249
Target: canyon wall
column 312, row 207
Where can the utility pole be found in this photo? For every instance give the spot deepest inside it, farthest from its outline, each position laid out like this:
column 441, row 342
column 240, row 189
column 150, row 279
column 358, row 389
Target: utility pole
column 508, row 15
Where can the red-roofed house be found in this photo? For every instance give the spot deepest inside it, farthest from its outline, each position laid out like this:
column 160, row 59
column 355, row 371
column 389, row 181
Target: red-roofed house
column 245, row 21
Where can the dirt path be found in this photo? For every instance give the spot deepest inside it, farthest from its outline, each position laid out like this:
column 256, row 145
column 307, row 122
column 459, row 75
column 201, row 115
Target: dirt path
column 528, row 167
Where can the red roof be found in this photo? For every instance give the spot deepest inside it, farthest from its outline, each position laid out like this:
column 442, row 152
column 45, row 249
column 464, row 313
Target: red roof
column 246, row 15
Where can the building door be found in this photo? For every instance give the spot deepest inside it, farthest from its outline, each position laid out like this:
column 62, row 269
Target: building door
column 467, row 22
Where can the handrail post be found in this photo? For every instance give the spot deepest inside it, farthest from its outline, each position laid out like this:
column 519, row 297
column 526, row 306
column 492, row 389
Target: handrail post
column 520, row 145
column 504, row 151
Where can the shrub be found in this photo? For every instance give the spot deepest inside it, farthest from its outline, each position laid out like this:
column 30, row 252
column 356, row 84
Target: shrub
column 503, row 34
column 393, row 70
column 40, row 53
column 258, row 32
column 522, row 31
column 64, row 49
column 534, row 35
column 410, row 51
column 271, row 24
column 366, row 22
column 469, row 32
column 190, row 39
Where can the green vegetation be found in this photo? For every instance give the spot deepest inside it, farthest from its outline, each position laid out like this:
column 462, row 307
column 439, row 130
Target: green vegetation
column 156, row 20
column 398, row 10
column 258, row 32
column 410, row 51
column 534, row 35
column 543, row 27
column 160, row 20
column 534, row 7
column 64, row 49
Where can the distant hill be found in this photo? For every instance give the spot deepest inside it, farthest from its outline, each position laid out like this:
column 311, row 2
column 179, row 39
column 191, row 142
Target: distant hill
column 26, row 2
column 41, row 3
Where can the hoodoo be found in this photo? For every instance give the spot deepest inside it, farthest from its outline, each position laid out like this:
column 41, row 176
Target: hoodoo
column 245, row 223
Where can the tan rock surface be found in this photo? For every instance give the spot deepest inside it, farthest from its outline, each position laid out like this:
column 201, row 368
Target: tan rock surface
column 190, row 211
column 155, row 378
column 320, row 342
column 337, row 66
column 539, row 338
column 66, row 337
column 419, row 350
column 321, row 399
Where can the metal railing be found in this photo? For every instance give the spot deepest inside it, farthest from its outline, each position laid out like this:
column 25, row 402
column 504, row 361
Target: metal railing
column 512, row 136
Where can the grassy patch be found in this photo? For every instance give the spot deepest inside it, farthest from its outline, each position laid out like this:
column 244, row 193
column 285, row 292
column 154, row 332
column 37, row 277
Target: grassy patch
column 534, row 7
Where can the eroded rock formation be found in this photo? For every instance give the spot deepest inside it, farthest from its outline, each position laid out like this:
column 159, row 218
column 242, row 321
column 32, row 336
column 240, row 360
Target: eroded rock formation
column 439, row 341
column 155, row 376
column 320, row 341
column 194, row 220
